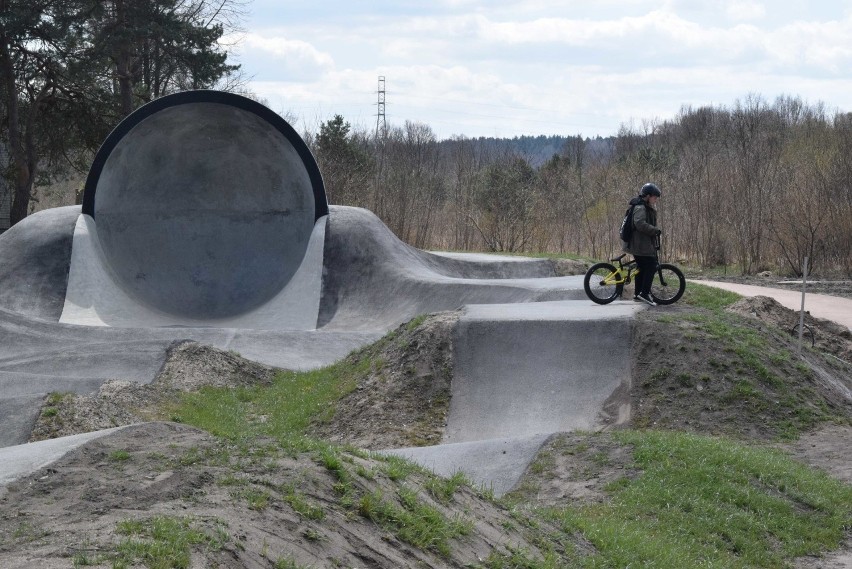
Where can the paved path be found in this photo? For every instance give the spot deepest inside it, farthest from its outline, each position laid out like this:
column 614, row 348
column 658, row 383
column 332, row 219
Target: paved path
column 833, row 308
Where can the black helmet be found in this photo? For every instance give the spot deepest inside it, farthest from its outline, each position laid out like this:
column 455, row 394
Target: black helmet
column 650, row 189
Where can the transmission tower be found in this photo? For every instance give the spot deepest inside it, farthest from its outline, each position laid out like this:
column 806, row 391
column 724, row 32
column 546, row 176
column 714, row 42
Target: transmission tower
column 381, row 121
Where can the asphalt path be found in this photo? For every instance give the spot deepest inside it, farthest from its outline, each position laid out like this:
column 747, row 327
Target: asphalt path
column 834, row 308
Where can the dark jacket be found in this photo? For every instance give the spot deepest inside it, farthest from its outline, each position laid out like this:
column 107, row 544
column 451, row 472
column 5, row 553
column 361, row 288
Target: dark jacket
column 643, row 242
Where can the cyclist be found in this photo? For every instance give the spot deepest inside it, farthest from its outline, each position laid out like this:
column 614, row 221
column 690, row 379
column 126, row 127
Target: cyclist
column 643, row 242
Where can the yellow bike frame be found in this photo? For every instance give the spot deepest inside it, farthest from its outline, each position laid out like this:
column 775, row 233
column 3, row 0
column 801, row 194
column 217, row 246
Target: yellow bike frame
column 624, row 274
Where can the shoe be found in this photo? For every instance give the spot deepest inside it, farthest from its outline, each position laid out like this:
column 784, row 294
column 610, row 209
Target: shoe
column 646, row 299
column 636, row 298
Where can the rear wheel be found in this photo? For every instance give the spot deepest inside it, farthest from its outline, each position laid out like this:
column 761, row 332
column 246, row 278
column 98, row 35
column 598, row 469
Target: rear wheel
column 668, row 285
column 595, row 287
column 807, row 334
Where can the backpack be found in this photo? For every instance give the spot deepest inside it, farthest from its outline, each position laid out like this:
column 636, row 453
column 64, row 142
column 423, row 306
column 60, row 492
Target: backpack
column 626, row 229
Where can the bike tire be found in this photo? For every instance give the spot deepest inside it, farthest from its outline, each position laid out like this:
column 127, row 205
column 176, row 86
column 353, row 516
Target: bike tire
column 595, row 289
column 668, row 285
column 807, row 335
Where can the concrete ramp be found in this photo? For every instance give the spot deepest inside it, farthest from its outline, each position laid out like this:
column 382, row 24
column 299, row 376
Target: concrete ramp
column 374, row 281
column 21, row 460
column 524, row 372
column 34, row 258
column 528, row 369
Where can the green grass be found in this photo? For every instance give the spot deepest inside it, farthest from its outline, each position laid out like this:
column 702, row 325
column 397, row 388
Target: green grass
column 301, row 504
column 443, row 489
column 119, row 456
column 161, row 542
column 282, row 411
column 708, row 297
column 756, row 365
column 708, row 502
column 413, row 522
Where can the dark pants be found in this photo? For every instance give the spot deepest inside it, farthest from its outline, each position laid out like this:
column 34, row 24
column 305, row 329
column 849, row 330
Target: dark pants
column 647, row 267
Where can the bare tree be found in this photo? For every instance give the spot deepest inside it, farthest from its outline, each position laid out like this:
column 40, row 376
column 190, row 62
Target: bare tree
column 505, row 215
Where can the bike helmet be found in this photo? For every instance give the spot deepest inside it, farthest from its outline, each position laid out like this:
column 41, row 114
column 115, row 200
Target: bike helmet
column 650, row 189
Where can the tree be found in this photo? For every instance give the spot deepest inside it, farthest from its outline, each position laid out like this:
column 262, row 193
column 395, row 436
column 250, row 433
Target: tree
column 46, row 76
column 345, row 165
column 160, row 46
column 505, row 199
column 753, row 144
column 413, row 187
column 70, row 70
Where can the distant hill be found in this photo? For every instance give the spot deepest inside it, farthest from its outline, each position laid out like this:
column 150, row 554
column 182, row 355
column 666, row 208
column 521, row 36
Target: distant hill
column 539, row 149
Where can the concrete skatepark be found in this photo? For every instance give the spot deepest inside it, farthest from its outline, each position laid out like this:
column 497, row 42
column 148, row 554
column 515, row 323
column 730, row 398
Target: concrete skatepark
column 205, row 218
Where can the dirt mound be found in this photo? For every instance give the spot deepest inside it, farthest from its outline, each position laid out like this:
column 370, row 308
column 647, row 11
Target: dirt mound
column 822, row 334
column 152, row 487
column 718, row 373
column 401, row 399
column 567, row 267
column 404, row 398
column 188, row 367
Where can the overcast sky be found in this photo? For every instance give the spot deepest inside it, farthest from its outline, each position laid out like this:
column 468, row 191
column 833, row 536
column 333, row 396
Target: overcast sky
column 501, row 68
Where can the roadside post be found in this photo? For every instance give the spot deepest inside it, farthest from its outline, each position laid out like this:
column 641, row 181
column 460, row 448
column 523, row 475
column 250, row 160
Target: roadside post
column 802, row 310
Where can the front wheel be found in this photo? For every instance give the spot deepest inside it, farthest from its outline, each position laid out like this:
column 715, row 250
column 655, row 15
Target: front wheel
column 598, row 283
column 807, row 334
column 668, row 285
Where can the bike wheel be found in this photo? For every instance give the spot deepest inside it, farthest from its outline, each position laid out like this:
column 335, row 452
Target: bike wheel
column 595, row 286
column 807, row 334
column 668, row 285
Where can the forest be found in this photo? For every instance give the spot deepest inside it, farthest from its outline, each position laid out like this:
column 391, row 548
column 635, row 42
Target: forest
column 755, row 186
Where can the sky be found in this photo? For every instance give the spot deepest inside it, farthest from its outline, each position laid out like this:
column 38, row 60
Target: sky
column 539, row 67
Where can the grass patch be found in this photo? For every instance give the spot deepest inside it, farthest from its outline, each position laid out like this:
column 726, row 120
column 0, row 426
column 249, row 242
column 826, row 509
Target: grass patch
column 413, row 521
column 282, row 411
column 301, row 504
column 708, row 502
column 415, row 322
column 708, row 297
column 119, row 456
column 750, row 372
column 162, row 542
column 443, row 489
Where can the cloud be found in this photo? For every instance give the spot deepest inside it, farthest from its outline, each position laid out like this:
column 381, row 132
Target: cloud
column 739, row 11
column 825, row 46
column 464, row 66
column 298, row 58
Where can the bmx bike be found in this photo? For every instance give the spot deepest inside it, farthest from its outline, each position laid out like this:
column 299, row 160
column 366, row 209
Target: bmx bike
column 604, row 282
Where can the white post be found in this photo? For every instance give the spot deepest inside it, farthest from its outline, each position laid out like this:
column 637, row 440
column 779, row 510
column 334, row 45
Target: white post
column 802, row 310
